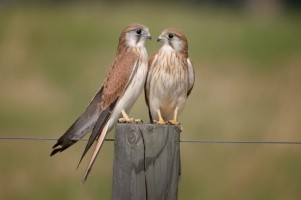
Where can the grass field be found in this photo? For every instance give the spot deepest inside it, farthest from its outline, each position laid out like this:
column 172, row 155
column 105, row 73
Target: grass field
column 248, row 68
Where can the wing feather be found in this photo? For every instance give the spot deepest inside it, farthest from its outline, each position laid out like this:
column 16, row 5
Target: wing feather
column 191, row 77
column 100, row 123
column 114, row 85
column 118, row 77
column 81, row 126
column 102, row 127
column 102, row 120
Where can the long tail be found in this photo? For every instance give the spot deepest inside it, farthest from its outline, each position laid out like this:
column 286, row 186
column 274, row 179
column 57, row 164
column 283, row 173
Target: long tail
column 98, row 128
column 81, row 126
column 96, row 151
column 99, row 131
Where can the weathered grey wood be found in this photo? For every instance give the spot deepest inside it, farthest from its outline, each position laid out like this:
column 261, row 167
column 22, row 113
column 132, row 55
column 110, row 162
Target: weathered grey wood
column 146, row 162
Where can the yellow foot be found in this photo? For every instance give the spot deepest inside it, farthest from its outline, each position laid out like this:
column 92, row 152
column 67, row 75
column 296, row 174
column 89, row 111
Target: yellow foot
column 130, row 120
column 125, row 119
column 173, row 122
column 138, row 121
column 161, row 122
column 178, row 124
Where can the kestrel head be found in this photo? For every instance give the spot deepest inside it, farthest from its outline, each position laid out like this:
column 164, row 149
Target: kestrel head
column 134, row 35
column 175, row 39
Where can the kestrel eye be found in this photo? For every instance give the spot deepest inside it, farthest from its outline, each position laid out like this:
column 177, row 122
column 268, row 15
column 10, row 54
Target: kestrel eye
column 139, row 31
column 170, row 36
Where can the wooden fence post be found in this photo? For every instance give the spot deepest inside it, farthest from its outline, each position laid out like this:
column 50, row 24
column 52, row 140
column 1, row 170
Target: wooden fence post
column 146, row 162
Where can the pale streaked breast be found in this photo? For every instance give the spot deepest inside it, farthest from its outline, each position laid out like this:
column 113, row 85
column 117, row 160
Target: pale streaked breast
column 168, row 83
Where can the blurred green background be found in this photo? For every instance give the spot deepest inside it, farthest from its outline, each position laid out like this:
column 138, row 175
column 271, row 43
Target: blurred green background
column 247, row 58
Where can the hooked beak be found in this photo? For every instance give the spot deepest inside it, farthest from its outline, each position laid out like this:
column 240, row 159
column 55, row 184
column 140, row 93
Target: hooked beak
column 148, row 36
column 160, row 38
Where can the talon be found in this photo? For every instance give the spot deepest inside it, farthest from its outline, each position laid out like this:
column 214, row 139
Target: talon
column 138, row 121
column 173, row 122
column 125, row 118
column 132, row 120
column 161, row 122
column 129, row 120
column 122, row 120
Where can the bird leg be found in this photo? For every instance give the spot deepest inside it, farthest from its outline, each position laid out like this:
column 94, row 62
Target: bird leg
column 126, row 119
column 174, row 121
column 160, row 121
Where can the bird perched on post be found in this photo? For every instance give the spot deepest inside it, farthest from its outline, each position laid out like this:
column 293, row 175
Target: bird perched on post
column 120, row 90
column 170, row 78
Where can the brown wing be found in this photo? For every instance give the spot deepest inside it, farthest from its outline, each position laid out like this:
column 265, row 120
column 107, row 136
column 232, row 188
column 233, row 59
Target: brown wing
column 191, row 77
column 118, row 77
column 100, row 107
column 120, row 73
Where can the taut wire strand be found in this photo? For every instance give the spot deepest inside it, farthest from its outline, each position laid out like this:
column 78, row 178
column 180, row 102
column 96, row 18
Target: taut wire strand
column 213, row 141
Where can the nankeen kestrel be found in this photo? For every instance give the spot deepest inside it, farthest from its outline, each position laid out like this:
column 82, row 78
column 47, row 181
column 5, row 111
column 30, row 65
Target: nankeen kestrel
column 120, row 90
column 170, row 78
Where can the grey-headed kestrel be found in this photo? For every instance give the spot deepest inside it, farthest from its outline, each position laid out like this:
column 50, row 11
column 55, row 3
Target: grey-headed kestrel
column 117, row 95
column 170, row 78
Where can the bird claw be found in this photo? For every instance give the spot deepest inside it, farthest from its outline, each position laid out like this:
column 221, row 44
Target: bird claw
column 130, row 120
column 173, row 122
column 138, row 121
column 124, row 120
column 177, row 124
column 160, row 122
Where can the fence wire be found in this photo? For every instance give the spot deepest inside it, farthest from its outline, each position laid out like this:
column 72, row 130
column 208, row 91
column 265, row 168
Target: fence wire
column 213, row 141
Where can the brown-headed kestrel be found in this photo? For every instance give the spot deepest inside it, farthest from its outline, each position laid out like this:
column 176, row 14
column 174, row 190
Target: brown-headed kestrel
column 120, row 90
column 170, row 78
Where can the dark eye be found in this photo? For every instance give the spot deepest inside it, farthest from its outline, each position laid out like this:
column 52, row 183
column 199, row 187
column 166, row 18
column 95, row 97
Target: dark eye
column 170, row 36
column 139, row 31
